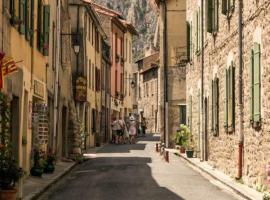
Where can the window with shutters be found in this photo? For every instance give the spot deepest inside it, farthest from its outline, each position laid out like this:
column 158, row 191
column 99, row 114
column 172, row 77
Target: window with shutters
column 228, row 7
column 215, row 106
column 255, row 86
column 212, row 16
column 230, row 99
column 182, row 114
column 198, row 31
column 43, row 28
column 189, row 41
column 190, row 113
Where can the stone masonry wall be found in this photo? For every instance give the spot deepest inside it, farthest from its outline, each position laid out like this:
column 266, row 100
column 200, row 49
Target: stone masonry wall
column 219, row 52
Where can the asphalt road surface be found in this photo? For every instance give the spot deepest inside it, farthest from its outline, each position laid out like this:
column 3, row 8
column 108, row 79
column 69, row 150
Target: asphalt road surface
column 134, row 172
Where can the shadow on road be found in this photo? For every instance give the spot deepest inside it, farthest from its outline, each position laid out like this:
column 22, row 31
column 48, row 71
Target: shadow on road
column 112, row 178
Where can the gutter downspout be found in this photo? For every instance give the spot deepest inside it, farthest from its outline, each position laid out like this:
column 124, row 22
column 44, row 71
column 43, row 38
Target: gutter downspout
column 203, row 145
column 241, row 135
column 56, row 84
column 165, row 57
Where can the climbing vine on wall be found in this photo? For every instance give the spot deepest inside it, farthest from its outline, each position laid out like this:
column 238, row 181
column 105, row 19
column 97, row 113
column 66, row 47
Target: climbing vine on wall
column 5, row 120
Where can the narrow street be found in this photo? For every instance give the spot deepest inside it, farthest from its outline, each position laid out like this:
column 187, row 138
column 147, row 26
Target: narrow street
column 134, row 172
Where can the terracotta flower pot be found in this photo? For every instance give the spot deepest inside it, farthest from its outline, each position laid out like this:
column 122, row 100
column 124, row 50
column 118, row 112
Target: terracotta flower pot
column 182, row 150
column 10, row 194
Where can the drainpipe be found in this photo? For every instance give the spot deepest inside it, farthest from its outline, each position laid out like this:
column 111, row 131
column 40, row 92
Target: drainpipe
column 165, row 58
column 203, row 145
column 56, row 83
column 241, row 135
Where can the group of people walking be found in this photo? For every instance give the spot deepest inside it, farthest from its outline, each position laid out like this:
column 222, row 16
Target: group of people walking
column 126, row 131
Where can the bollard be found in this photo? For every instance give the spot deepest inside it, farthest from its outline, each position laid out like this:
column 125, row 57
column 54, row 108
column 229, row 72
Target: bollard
column 156, row 147
column 167, row 156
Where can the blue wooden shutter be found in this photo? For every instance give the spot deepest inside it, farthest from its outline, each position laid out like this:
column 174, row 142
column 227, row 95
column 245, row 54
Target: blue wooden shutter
column 257, row 83
column 46, row 28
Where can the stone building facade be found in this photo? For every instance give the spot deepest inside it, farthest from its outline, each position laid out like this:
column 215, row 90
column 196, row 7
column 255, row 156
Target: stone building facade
column 240, row 148
column 148, row 91
column 171, row 39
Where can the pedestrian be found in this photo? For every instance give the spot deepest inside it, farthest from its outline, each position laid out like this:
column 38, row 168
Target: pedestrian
column 114, row 126
column 143, row 126
column 122, row 126
column 132, row 130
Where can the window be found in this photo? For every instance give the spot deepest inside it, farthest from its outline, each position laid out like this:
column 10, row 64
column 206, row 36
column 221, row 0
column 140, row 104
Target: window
column 97, row 40
column 89, row 75
column 215, row 106
column 116, row 45
column 230, row 99
column 93, row 121
column 255, row 86
column 93, row 34
column 198, row 30
column 43, row 28
column 227, row 6
column 116, row 81
column 89, row 29
column 189, row 41
column 97, row 79
column 93, row 76
column 190, row 113
column 182, row 114
column 212, row 16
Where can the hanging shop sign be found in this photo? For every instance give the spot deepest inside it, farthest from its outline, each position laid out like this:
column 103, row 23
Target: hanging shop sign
column 81, row 89
column 39, row 90
column 7, row 66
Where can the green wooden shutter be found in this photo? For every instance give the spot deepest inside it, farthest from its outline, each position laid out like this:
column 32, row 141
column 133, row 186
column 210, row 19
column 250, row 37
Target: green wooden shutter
column 216, row 125
column 215, row 15
column 46, row 28
column 233, row 95
column 224, row 7
column 197, row 31
column 22, row 16
column 190, row 113
column 212, row 107
column 12, row 9
column 251, row 79
column 231, row 4
column 32, row 22
column 188, row 41
column 226, row 97
column 39, row 27
column 210, row 16
column 27, row 21
column 257, row 83
column 191, row 43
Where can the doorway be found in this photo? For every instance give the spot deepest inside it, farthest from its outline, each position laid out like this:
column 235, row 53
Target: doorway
column 206, row 129
column 15, row 126
column 64, row 132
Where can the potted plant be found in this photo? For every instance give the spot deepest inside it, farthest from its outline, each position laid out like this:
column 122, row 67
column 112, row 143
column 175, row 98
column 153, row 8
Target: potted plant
column 10, row 173
column 49, row 164
column 181, row 137
column 37, row 169
column 190, row 147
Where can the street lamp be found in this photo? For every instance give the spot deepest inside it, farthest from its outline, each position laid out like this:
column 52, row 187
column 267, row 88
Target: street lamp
column 76, row 48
